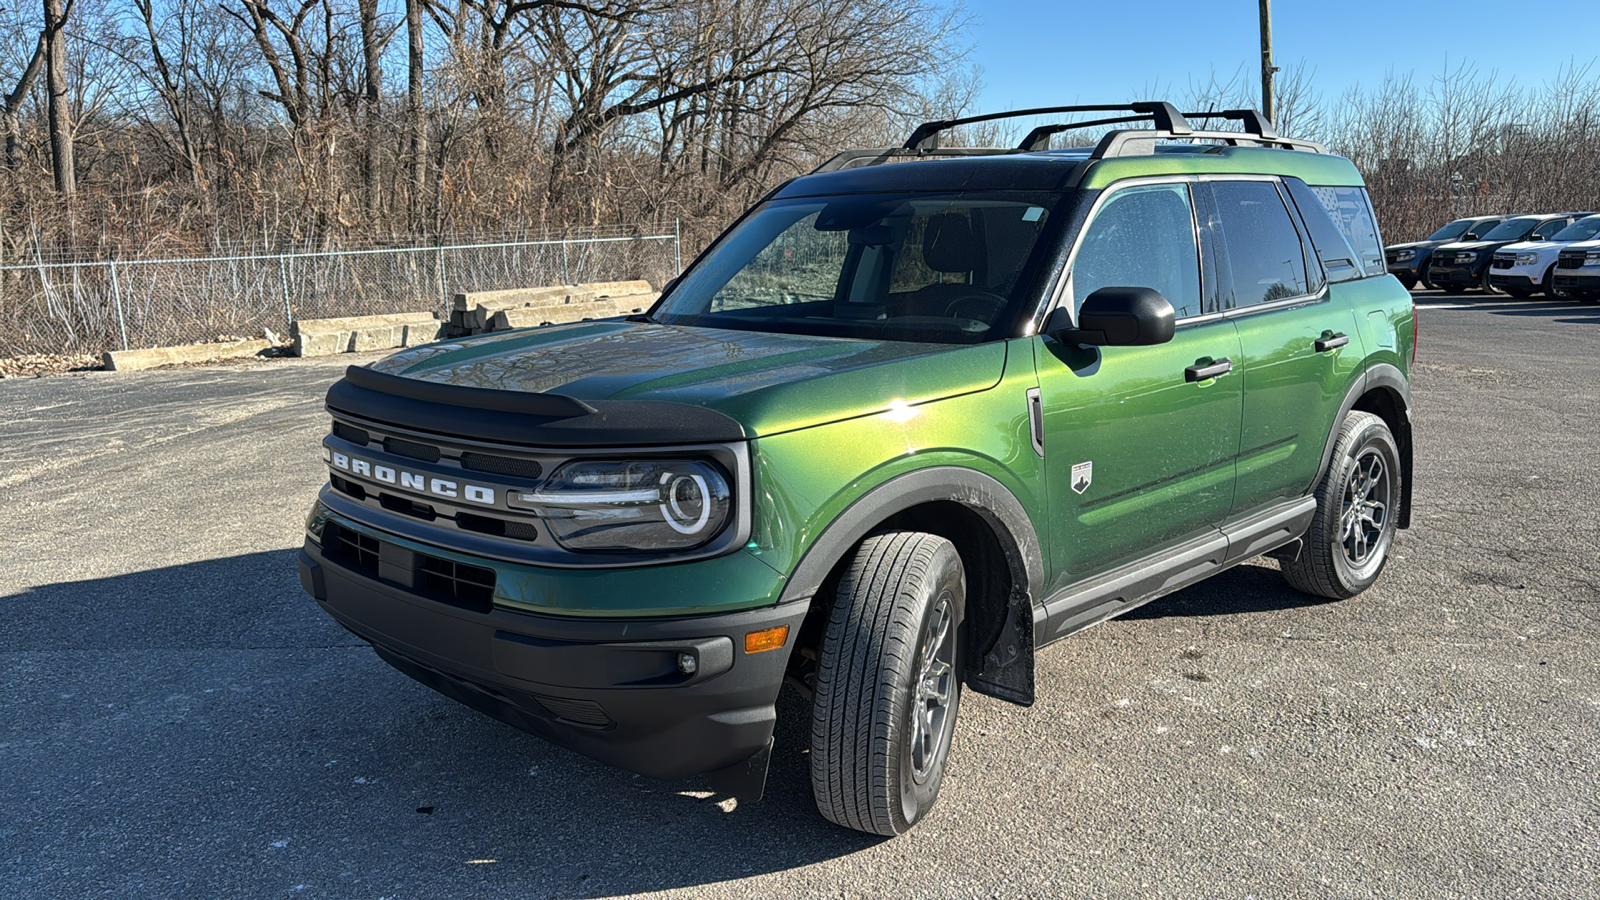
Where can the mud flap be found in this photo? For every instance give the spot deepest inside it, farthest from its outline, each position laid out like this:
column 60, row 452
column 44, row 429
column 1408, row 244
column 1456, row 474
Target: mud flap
column 1007, row 672
column 746, row 780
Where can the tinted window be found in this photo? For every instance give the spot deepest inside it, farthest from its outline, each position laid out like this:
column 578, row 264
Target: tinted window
column 1339, row 259
column 1581, row 230
column 1477, row 231
column 1452, row 231
column 922, row 267
column 1511, row 230
column 1351, row 210
column 1260, row 243
column 1141, row 237
column 1549, row 229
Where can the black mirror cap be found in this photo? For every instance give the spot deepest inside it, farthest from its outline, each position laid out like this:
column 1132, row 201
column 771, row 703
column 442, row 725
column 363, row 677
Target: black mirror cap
column 1119, row 317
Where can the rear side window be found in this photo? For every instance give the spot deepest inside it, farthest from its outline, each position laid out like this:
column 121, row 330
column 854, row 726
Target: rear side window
column 1260, row 244
column 1351, row 210
column 1142, row 237
column 1339, row 259
column 1549, row 229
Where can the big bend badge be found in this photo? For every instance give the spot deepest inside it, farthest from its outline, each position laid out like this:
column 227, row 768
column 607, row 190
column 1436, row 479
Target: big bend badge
column 1082, row 475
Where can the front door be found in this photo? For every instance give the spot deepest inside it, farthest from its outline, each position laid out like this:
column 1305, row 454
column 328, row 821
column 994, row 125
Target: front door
column 1139, row 452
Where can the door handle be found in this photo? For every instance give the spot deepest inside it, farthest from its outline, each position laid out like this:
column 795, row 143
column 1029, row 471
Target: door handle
column 1330, row 341
column 1201, row 373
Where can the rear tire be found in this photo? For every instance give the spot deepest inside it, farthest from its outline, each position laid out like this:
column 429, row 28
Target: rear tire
column 888, row 683
column 1345, row 549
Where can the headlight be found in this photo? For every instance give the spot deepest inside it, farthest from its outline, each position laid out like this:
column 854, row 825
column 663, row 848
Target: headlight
column 1404, row 255
column 1592, row 258
column 1527, row 259
column 1467, row 257
column 639, row 505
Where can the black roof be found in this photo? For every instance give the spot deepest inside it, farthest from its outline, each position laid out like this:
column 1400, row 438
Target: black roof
column 1021, row 172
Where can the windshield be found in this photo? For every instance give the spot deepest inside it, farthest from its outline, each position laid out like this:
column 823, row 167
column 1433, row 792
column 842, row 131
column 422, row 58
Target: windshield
column 946, row 268
column 1511, row 230
column 1581, row 230
column 1450, row 232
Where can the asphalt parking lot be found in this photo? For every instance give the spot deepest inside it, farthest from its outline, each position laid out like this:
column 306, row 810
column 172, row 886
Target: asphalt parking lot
column 177, row 719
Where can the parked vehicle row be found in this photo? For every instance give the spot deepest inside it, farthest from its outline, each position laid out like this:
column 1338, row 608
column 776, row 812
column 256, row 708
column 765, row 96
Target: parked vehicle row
column 1520, row 255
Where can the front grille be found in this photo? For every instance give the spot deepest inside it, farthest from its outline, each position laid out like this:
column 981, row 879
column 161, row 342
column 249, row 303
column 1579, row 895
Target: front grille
column 411, row 449
column 457, row 584
column 469, row 587
column 1570, row 261
column 354, row 549
column 522, row 531
column 502, row 465
column 1504, row 260
column 347, row 487
column 407, row 506
column 351, row 433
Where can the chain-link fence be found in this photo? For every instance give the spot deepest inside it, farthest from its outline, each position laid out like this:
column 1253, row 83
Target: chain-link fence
column 87, row 306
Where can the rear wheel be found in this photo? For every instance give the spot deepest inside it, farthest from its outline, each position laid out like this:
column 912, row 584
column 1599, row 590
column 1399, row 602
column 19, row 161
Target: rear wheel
column 888, row 683
column 1353, row 528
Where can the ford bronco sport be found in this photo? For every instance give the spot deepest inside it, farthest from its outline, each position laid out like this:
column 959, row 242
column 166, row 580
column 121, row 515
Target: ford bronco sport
column 913, row 417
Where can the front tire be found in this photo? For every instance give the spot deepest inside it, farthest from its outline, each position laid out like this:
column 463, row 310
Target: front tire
column 1422, row 277
column 888, row 683
column 1348, row 543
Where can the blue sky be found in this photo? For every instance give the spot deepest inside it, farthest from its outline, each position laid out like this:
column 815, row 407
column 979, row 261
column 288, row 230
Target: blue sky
column 1042, row 53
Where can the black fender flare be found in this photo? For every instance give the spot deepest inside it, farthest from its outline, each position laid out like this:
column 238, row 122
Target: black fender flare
column 1380, row 376
column 1004, row 670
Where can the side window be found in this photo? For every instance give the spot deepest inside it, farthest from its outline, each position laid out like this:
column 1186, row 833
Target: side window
column 1141, row 237
column 1339, row 259
column 1549, row 228
column 1260, row 243
column 1351, row 210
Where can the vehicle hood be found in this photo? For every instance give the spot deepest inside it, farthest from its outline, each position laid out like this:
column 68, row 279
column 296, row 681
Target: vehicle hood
column 1520, row 246
column 1471, row 245
column 1416, row 245
column 770, row 383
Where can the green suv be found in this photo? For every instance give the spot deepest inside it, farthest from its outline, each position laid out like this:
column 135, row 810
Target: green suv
column 910, row 419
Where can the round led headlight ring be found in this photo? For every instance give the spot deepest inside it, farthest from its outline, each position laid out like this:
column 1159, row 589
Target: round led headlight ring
column 683, row 493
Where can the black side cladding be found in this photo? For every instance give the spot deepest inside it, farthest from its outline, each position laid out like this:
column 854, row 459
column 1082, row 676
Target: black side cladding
column 525, row 417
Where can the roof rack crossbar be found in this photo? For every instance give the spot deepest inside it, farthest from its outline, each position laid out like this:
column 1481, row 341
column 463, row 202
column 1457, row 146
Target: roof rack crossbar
column 1164, row 116
column 1254, row 122
column 1039, row 138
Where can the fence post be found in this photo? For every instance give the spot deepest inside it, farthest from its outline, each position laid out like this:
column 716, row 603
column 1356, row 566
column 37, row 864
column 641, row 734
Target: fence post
column 116, row 297
column 677, row 244
column 566, row 274
column 444, row 294
column 283, row 278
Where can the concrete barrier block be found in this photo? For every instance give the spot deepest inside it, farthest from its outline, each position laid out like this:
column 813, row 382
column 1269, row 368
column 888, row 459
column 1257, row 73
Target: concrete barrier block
column 324, row 337
column 617, row 288
column 133, row 360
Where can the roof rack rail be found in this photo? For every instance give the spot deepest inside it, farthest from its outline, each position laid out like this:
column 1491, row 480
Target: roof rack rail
column 1166, row 121
column 1164, row 116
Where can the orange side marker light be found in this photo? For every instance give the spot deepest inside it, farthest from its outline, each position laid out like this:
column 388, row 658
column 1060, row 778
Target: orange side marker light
column 766, row 639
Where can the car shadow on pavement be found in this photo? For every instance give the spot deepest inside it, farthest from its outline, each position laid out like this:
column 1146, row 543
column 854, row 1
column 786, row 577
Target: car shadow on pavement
column 205, row 729
column 1242, row 589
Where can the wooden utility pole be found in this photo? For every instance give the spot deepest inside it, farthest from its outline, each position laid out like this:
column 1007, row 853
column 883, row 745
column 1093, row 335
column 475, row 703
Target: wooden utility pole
column 1267, row 68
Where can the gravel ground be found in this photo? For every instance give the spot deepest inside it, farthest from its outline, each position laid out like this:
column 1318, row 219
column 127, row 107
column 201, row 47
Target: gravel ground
column 179, row 720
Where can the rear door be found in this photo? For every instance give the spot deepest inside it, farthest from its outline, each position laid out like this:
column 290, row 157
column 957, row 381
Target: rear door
column 1298, row 348
column 1139, row 455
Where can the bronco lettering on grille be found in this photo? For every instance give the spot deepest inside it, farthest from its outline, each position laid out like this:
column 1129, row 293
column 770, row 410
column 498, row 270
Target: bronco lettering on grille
column 412, row 481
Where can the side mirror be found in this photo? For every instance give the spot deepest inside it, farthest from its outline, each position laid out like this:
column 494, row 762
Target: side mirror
column 1117, row 317
column 1536, row 237
column 1470, row 236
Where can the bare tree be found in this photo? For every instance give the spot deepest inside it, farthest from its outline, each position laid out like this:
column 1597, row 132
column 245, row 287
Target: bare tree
column 56, row 15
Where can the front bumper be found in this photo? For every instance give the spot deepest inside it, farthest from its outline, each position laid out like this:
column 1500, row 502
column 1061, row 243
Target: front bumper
column 1521, row 278
column 1456, row 274
column 1583, row 283
column 609, row 688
